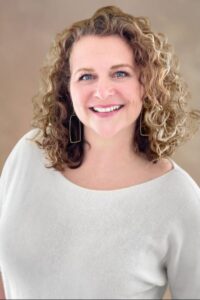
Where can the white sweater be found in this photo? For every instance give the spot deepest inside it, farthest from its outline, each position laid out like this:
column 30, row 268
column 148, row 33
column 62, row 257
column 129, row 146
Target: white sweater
column 59, row 240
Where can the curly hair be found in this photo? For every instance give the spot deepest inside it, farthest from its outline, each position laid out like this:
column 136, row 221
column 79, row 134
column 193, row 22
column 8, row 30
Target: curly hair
column 165, row 121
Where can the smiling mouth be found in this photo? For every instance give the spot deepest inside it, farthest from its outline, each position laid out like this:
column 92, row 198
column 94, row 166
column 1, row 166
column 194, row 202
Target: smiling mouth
column 106, row 109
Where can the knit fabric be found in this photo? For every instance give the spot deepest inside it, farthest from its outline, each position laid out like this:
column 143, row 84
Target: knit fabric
column 59, row 240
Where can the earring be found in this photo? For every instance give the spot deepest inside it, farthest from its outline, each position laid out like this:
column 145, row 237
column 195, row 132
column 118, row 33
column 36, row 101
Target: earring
column 78, row 132
column 140, row 125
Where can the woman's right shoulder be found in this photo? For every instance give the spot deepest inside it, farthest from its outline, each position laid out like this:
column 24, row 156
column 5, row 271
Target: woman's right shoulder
column 23, row 164
column 29, row 136
column 26, row 144
column 25, row 151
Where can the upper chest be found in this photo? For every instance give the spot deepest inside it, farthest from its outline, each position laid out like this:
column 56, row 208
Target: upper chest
column 92, row 178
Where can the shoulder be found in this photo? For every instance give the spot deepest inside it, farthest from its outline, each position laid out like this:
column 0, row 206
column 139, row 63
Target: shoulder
column 24, row 164
column 25, row 151
column 26, row 141
column 176, row 190
column 179, row 178
column 184, row 192
column 183, row 181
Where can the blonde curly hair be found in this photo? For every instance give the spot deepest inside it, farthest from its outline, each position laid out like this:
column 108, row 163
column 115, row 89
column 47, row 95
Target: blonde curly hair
column 165, row 121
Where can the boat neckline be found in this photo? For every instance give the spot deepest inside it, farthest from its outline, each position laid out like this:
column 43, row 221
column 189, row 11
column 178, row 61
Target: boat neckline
column 123, row 189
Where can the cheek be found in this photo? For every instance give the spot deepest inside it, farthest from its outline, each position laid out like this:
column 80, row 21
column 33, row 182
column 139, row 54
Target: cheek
column 132, row 90
column 79, row 95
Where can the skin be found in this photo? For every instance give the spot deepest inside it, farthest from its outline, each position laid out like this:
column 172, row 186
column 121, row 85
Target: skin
column 105, row 85
column 96, row 80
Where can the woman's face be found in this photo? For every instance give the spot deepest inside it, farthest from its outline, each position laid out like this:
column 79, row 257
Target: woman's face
column 104, row 78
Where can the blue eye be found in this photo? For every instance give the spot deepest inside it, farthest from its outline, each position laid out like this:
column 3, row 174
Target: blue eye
column 121, row 74
column 86, row 77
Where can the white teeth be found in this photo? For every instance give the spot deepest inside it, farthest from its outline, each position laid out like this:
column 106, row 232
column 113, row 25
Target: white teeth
column 107, row 109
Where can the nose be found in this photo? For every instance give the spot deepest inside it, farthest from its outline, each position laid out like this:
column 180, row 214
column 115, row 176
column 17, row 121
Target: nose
column 103, row 90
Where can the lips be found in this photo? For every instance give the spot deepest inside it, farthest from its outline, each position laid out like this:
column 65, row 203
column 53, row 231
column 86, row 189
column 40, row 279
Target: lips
column 106, row 114
column 106, row 109
column 108, row 105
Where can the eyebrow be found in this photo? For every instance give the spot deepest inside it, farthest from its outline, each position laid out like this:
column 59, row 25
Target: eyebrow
column 112, row 68
column 121, row 66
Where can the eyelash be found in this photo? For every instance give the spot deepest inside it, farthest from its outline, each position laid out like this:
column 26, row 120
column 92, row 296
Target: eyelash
column 82, row 76
column 126, row 74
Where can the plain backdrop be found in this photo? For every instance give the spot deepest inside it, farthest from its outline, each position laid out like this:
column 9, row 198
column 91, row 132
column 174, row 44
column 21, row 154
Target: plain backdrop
column 27, row 28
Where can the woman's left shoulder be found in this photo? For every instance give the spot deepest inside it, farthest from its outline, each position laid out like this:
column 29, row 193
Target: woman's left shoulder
column 183, row 186
column 179, row 174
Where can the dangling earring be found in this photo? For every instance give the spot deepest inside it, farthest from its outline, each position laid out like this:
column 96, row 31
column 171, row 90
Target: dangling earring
column 78, row 135
column 140, row 124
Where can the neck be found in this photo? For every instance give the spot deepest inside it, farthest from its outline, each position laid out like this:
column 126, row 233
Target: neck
column 110, row 153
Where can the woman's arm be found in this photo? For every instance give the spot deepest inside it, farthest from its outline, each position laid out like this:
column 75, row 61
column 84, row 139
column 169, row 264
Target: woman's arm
column 183, row 263
column 2, row 294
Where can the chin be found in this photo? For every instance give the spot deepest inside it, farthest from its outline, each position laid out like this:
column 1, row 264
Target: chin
column 107, row 133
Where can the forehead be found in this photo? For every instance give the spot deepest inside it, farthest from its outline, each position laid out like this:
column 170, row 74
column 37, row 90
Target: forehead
column 93, row 49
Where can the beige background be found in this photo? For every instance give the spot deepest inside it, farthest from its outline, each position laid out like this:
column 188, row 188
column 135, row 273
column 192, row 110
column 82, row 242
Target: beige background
column 27, row 28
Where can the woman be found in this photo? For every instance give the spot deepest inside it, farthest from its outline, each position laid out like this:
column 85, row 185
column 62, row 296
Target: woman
column 92, row 204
